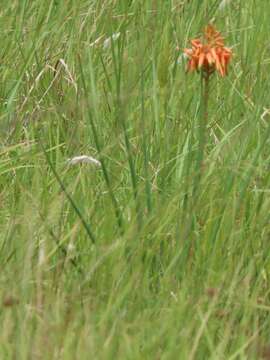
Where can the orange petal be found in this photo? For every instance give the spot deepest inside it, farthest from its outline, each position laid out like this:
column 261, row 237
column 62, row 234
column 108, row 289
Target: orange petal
column 228, row 50
column 219, row 42
column 222, row 60
column 227, row 58
column 209, row 58
column 216, row 58
column 197, row 53
column 220, row 68
column 214, row 54
column 196, row 43
column 201, row 60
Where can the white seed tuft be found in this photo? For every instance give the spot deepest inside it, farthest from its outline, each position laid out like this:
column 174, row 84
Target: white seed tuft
column 83, row 159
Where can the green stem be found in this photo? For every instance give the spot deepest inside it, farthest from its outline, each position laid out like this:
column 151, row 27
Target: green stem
column 204, row 115
column 77, row 210
column 97, row 142
column 205, row 80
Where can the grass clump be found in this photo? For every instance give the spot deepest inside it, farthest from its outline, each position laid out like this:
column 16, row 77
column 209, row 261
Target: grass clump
column 135, row 258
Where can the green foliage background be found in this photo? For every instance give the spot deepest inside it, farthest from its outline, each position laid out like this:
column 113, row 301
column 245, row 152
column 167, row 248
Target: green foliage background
column 139, row 258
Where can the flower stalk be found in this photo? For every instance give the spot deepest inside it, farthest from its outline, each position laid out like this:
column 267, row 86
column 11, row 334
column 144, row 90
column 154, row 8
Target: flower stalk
column 207, row 55
column 205, row 87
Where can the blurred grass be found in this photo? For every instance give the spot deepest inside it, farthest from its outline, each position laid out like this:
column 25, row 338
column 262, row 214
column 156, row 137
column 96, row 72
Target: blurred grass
column 170, row 276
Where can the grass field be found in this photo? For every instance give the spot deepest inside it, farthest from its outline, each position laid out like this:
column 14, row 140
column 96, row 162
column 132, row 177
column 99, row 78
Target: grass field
column 147, row 256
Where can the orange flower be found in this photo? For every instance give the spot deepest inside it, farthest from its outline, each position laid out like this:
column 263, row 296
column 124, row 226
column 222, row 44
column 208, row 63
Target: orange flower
column 210, row 54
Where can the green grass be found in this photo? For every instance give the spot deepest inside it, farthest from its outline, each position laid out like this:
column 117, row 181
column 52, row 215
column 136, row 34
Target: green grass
column 135, row 259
